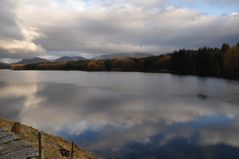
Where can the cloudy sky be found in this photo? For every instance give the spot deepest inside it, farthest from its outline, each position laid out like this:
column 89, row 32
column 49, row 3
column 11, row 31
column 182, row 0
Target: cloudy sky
column 53, row 28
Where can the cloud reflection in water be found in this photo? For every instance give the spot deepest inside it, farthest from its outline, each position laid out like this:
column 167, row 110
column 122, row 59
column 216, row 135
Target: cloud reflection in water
column 154, row 112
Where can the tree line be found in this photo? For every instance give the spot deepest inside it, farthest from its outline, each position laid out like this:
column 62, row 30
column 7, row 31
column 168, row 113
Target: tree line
column 222, row 62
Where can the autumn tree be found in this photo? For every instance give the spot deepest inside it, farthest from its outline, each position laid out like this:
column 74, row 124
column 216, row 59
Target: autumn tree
column 98, row 65
column 165, row 62
column 125, row 64
column 231, row 62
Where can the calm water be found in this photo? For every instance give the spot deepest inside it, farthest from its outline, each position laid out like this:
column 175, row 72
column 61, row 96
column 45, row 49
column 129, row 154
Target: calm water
column 128, row 115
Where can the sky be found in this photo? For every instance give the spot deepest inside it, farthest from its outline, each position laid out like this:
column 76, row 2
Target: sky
column 54, row 28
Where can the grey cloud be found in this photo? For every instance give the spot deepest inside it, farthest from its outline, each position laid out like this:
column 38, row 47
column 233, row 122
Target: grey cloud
column 9, row 27
column 18, row 54
column 111, row 27
column 131, row 29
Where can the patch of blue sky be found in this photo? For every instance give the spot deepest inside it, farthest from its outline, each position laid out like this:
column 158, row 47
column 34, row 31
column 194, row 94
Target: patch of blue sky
column 206, row 8
column 201, row 6
column 74, row 4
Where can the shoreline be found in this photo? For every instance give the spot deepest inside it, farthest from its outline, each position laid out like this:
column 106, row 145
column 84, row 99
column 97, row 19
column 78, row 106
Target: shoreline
column 52, row 145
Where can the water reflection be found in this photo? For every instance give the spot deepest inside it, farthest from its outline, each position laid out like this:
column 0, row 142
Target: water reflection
column 128, row 115
column 15, row 99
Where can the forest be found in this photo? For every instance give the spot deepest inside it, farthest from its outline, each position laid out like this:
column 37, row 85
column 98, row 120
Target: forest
column 219, row 62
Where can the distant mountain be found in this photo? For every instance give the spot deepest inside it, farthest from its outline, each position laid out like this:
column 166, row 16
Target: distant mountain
column 32, row 61
column 4, row 65
column 67, row 58
column 120, row 55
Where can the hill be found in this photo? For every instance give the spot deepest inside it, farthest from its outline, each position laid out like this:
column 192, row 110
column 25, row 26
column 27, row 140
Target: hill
column 51, row 144
column 32, row 61
column 4, row 65
column 67, row 58
column 120, row 55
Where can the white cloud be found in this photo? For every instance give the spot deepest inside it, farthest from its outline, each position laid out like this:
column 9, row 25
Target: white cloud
column 15, row 46
column 16, row 39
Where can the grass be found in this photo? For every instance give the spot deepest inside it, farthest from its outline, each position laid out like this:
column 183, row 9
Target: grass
column 52, row 144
